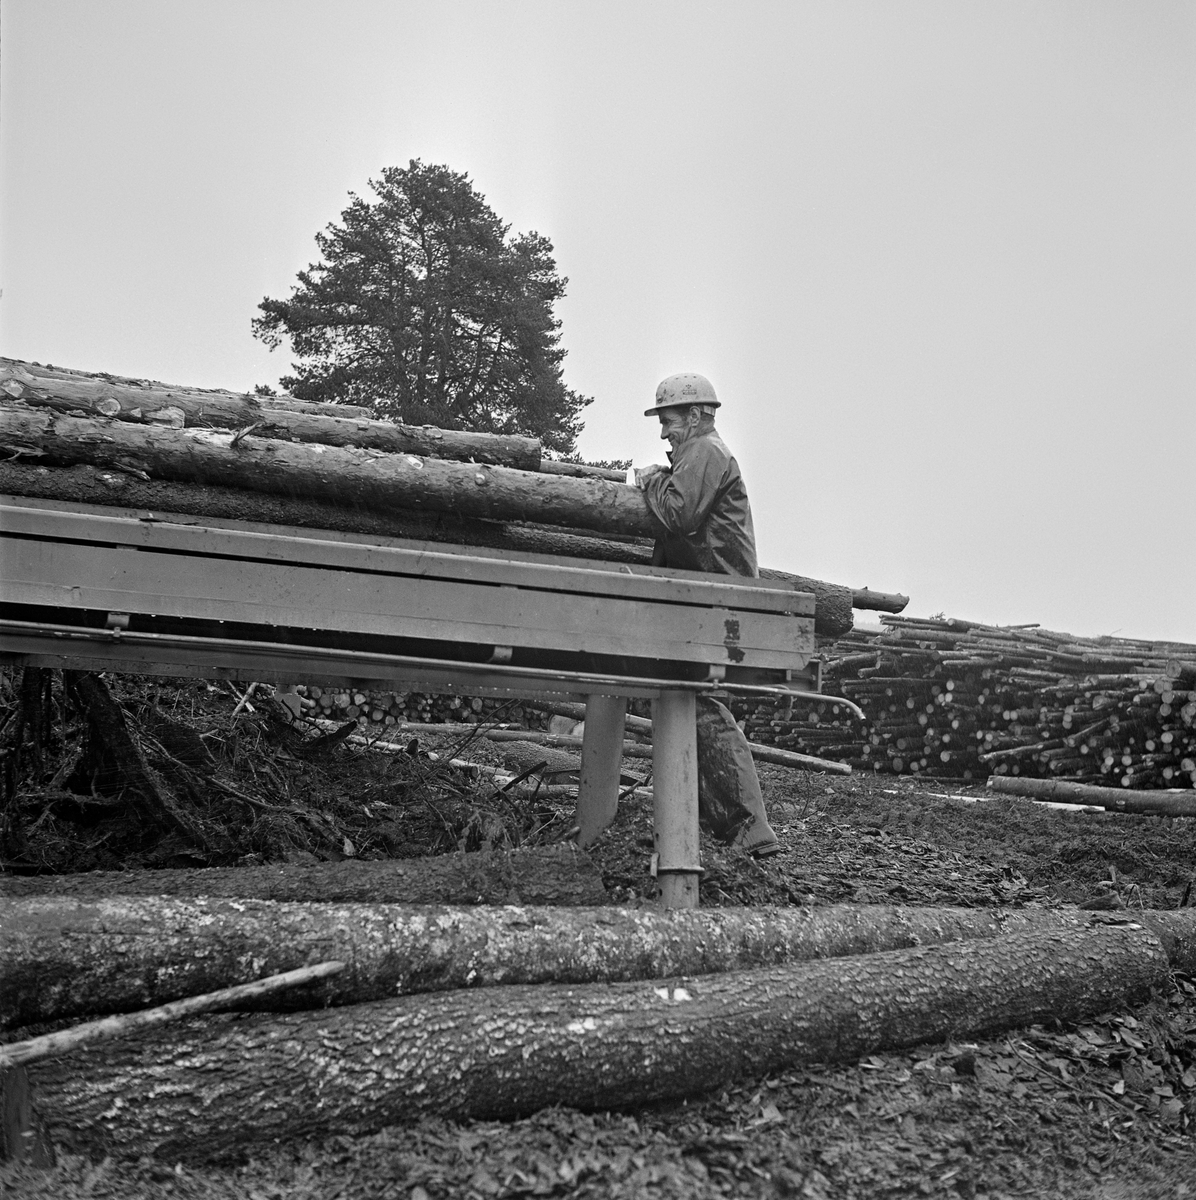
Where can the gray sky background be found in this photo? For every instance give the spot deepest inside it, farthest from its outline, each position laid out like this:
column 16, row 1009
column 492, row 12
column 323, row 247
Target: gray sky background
column 939, row 259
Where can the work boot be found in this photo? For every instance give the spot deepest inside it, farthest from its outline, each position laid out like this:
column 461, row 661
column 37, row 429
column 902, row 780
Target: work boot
column 758, row 839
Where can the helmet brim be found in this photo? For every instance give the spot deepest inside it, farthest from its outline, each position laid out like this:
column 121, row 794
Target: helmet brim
column 659, row 408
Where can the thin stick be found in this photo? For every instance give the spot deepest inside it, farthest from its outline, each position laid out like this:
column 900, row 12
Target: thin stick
column 51, row 1045
column 244, row 701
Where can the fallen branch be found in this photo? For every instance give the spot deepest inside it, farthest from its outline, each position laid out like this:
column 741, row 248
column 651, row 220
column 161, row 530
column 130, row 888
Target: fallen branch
column 51, row 1045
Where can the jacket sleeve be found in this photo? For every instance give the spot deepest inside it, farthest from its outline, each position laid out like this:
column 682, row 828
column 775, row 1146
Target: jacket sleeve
column 682, row 498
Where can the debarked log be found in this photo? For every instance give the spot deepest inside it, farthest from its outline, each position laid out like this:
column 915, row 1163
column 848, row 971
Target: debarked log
column 1171, row 802
column 273, row 417
column 559, row 874
column 217, row 1086
column 68, row 957
column 342, row 475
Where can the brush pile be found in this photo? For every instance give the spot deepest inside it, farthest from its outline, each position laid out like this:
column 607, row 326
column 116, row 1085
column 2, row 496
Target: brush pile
column 959, row 699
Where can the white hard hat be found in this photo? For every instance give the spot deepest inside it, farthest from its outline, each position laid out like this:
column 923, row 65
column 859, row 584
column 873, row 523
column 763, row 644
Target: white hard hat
column 680, row 391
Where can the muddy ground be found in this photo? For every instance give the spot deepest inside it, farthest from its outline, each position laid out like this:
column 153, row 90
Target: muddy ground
column 1105, row 1109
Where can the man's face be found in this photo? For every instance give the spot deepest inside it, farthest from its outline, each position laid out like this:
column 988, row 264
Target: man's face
column 677, row 425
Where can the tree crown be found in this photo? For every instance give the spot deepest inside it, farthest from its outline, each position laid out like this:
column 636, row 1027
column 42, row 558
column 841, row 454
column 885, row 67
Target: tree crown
column 424, row 308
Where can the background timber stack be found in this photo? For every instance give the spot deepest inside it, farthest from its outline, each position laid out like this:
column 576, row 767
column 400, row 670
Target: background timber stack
column 959, row 699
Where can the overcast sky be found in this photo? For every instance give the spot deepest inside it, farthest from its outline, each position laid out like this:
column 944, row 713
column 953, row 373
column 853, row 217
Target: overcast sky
column 938, row 259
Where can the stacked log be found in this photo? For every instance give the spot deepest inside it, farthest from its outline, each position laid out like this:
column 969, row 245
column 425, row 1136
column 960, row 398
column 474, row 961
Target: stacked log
column 104, row 440
column 960, row 699
column 380, row 710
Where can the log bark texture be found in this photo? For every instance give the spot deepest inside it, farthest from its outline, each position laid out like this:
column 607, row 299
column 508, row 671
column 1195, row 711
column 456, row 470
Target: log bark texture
column 277, row 417
column 1178, row 803
column 88, row 484
column 107, row 1029
column 69, row 957
column 216, row 1086
column 83, row 484
column 890, row 602
column 342, row 475
column 147, row 401
column 537, row 875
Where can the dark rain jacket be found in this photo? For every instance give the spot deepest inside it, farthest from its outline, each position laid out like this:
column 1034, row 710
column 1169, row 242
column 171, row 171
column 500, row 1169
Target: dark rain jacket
column 704, row 508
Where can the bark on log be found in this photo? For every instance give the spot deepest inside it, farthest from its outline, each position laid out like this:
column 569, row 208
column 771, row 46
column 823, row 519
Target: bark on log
column 63, row 1041
column 216, row 1086
column 82, row 484
column 329, row 424
column 538, row 875
column 832, row 602
column 552, row 467
column 88, row 484
column 145, row 400
column 890, row 602
column 1177, row 803
column 67, row 957
column 338, row 474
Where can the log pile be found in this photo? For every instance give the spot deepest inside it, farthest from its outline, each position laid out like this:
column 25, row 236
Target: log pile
column 98, row 439
column 959, row 699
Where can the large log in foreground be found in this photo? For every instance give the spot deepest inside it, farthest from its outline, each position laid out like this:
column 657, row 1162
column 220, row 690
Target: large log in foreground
column 66, row 957
column 559, row 874
column 331, row 424
column 342, row 475
column 215, row 1086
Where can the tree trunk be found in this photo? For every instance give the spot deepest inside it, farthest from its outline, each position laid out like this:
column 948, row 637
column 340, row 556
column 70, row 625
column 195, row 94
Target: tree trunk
column 213, row 1087
column 1178, row 803
column 537, row 875
column 341, row 475
column 69, row 957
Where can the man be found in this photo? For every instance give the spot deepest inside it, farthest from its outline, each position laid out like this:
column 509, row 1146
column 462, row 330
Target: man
column 701, row 501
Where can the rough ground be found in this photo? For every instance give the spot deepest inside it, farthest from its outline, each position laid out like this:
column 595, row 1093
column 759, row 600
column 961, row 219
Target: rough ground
column 1106, row 1109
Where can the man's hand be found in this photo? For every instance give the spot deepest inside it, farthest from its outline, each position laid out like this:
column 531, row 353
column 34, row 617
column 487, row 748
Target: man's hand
column 643, row 474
